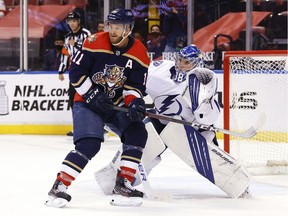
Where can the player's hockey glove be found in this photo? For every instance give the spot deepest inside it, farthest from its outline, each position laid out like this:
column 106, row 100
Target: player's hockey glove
column 137, row 109
column 98, row 101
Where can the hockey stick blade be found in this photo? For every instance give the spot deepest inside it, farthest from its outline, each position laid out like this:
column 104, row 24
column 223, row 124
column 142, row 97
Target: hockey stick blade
column 151, row 193
column 252, row 131
column 246, row 134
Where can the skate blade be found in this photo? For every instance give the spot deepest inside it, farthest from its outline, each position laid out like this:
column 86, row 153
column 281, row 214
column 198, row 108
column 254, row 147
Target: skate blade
column 119, row 200
column 56, row 202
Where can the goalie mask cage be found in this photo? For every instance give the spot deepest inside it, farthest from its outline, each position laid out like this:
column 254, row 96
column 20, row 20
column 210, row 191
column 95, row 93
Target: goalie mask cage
column 256, row 82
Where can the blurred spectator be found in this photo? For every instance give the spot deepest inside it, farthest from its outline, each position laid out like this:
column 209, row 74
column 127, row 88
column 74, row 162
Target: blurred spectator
column 156, row 41
column 238, row 6
column 201, row 18
column 100, row 27
column 278, row 20
column 174, row 24
column 139, row 36
column 276, row 23
column 52, row 58
column 276, row 6
column 155, row 28
column 3, row 10
column 258, row 6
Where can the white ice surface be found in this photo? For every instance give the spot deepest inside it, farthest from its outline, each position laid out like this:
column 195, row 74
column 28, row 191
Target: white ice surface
column 29, row 165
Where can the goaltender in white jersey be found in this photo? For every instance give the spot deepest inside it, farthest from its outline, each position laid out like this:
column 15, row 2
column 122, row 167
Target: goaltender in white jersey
column 170, row 91
column 183, row 89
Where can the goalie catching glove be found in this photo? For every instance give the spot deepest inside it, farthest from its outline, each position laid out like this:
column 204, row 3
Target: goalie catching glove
column 137, row 109
column 98, row 101
column 205, row 108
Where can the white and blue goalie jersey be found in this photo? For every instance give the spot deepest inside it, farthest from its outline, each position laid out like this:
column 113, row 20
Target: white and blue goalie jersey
column 193, row 100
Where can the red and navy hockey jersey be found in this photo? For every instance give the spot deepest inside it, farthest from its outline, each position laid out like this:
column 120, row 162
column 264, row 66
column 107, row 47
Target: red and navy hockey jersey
column 120, row 73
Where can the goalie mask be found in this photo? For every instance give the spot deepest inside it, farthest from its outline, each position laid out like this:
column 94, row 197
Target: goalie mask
column 187, row 59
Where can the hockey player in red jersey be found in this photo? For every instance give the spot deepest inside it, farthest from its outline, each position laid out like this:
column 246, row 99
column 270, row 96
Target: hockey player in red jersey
column 110, row 70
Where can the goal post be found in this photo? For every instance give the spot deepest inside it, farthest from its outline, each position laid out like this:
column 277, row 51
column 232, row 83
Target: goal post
column 256, row 82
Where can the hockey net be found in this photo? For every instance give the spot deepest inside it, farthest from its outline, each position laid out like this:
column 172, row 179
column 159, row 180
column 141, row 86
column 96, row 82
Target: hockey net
column 256, row 82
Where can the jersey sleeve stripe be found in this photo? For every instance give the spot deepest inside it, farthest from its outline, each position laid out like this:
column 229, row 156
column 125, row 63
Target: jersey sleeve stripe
column 83, row 85
column 132, row 91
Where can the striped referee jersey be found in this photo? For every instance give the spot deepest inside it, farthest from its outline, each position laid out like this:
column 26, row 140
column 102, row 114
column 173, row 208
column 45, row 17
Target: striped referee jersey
column 68, row 50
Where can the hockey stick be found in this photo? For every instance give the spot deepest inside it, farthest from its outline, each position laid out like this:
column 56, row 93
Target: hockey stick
column 252, row 131
column 151, row 193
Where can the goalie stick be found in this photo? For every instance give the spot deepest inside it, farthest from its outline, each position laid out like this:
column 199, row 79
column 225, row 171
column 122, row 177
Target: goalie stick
column 151, row 193
column 252, row 131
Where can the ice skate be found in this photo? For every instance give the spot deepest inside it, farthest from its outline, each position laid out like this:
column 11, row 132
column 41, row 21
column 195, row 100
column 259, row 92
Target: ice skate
column 57, row 196
column 125, row 195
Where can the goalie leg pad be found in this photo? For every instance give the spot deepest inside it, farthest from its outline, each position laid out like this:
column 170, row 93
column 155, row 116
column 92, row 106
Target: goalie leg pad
column 206, row 158
column 106, row 176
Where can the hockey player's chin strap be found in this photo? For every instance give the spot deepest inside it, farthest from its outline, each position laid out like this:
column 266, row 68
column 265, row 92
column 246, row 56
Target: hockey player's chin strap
column 123, row 38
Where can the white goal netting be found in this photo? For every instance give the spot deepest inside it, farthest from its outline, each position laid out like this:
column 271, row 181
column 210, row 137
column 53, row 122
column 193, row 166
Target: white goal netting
column 258, row 83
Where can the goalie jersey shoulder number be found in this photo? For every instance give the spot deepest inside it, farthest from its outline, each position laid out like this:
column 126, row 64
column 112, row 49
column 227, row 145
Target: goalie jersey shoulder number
column 167, row 96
